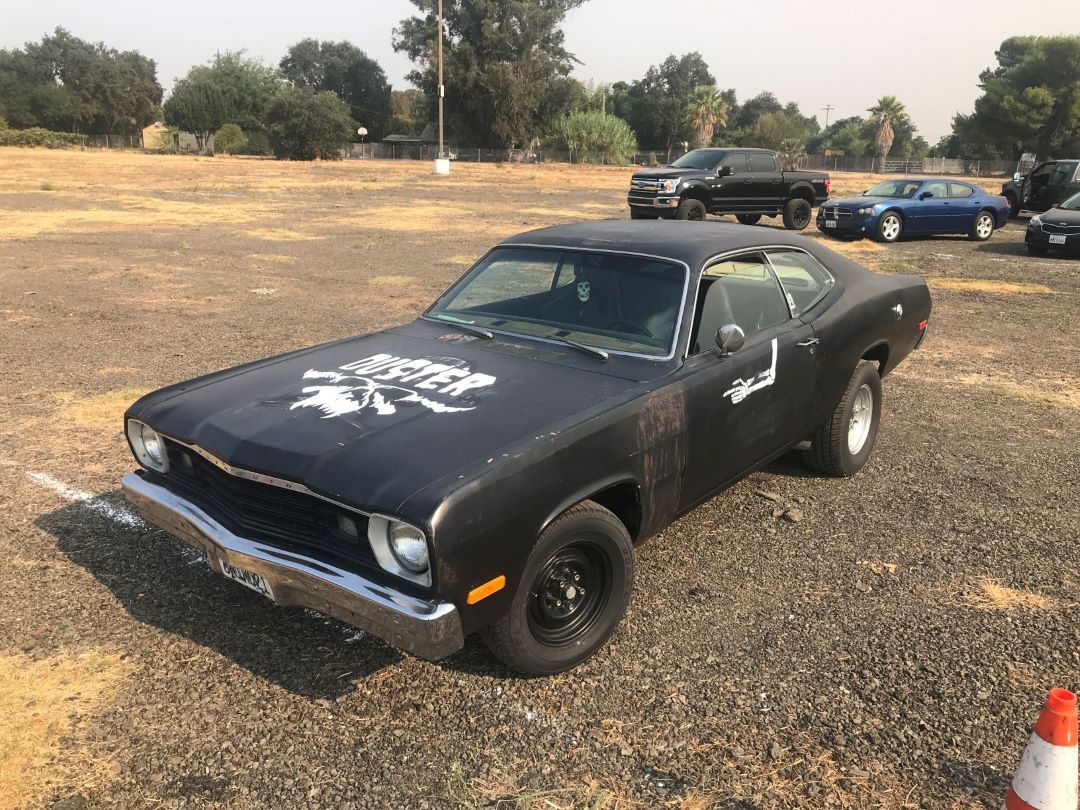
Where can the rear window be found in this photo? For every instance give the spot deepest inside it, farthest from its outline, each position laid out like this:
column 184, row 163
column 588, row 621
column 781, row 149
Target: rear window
column 960, row 190
column 803, row 277
column 761, row 162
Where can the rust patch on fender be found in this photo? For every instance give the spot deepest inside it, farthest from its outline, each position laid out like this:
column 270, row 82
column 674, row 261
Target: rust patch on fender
column 661, row 444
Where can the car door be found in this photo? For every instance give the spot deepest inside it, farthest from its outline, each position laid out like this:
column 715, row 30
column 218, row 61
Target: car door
column 1036, row 192
column 745, row 407
column 764, row 182
column 965, row 202
column 1059, row 187
column 729, row 193
column 930, row 210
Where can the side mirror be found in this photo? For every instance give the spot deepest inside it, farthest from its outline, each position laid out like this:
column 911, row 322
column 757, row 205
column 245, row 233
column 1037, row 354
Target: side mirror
column 729, row 339
column 725, row 171
column 1017, row 177
column 926, row 195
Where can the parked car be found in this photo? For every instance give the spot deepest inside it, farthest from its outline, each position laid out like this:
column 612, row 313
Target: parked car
column 746, row 182
column 1055, row 229
column 895, row 208
column 489, row 467
column 1045, row 186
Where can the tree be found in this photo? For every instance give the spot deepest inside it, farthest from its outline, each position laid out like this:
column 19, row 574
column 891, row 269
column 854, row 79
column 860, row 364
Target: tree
column 65, row 83
column 887, row 111
column 305, row 124
column 346, row 71
column 502, row 60
column 779, row 131
column 232, row 89
column 656, row 105
column 592, row 136
column 750, row 111
column 707, row 109
column 229, row 139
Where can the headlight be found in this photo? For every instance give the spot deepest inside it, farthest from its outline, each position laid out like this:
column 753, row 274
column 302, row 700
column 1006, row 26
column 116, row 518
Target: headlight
column 148, row 446
column 866, row 212
column 668, row 186
column 1035, row 220
column 400, row 548
column 409, row 546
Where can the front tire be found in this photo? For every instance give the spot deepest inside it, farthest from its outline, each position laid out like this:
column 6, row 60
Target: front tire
column 983, row 228
column 843, row 444
column 890, row 227
column 691, row 209
column 572, row 594
column 797, row 214
column 748, row 219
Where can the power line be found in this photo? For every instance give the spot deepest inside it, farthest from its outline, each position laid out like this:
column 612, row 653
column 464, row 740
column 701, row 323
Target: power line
column 828, row 108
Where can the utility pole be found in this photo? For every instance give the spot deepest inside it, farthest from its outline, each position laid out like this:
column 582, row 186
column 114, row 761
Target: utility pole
column 828, row 108
column 442, row 165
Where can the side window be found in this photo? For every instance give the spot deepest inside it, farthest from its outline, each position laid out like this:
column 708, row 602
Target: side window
column 742, row 291
column 1062, row 174
column 762, row 162
column 737, row 162
column 804, row 279
column 960, row 190
column 937, row 188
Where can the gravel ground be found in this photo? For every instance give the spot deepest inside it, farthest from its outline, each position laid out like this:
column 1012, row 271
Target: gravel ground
column 883, row 641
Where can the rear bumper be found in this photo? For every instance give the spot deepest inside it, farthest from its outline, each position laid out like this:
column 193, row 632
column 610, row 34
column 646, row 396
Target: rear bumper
column 427, row 629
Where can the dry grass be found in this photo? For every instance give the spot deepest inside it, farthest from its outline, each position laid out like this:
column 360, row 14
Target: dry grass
column 1057, row 394
column 393, row 281
column 988, row 594
column 989, row 286
column 279, row 235
column 39, row 700
column 104, row 411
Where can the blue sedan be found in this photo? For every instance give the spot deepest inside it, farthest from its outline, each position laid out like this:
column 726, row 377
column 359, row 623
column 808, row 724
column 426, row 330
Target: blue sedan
column 894, row 208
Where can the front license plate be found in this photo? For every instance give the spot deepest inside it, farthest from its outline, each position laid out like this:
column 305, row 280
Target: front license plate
column 830, row 223
column 1057, row 239
column 257, row 582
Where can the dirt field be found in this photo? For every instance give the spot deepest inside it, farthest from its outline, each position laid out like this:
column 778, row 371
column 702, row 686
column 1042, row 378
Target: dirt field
column 889, row 649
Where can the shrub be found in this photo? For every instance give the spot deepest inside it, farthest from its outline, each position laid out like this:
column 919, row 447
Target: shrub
column 167, row 141
column 3, row 123
column 595, row 137
column 256, row 143
column 36, row 136
column 229, row 139
column 305, row 125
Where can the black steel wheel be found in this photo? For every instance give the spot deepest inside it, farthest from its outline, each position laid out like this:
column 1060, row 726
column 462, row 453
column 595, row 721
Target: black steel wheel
column 570, row 597
column 797, row 214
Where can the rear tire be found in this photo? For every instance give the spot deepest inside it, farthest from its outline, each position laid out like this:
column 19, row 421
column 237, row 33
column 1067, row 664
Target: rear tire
column 843, row 444
column 797, row 214
column 571, row 596
column 890, row 227
column 983, row 228
column 748, row 219
column 691, row 209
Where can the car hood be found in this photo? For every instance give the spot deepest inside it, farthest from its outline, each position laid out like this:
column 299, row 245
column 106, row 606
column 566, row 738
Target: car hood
column 1060, row 216
column 865, row 202
column 372, row 420
column 668, row 174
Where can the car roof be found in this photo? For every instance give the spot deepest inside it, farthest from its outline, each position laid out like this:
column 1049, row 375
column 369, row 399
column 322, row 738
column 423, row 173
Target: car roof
column 693, row 243
column 934, row 180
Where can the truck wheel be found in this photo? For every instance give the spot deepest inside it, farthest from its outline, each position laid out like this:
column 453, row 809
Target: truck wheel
column 983, row 228
column 571, row 596
column 889, row 227
column 641, row 214
column 842, row 445
column 1014, row 206
column 692, row 209
column 797, row 214
column 748, row 219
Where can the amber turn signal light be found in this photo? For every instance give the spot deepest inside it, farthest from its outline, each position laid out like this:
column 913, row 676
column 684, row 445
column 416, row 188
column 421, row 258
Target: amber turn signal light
column 486, row 590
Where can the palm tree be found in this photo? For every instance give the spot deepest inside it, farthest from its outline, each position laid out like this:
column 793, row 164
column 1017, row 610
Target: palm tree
column 885, row 113
column 706, row 110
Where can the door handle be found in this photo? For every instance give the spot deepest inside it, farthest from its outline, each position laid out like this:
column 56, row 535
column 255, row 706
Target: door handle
column 808, row 342
column 747, row 182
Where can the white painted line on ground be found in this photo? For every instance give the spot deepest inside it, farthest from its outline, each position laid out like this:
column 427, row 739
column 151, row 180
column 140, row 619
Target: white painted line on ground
column 117, row 514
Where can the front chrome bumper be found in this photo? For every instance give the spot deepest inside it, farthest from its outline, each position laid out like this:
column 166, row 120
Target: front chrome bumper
column 427, row 629
column 653, row 202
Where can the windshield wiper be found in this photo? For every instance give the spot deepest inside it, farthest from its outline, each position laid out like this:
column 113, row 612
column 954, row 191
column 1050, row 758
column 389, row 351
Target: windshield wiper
column 467, row 326
column 582, row 347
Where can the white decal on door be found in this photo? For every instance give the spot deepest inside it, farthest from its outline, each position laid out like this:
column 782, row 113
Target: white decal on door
column 741, row 389
column 383, row 382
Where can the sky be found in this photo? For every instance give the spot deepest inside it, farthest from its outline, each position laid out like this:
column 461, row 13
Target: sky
column 816, row 52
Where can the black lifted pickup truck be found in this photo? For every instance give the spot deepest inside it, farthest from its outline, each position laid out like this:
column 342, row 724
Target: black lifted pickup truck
column 1045, row 186
column 746, row 182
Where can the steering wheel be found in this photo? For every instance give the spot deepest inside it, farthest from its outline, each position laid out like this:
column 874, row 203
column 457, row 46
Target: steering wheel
column 629, row 326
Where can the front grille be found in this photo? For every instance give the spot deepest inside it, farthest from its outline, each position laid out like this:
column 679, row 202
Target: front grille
column 835, row 212
column 293, row 521
column 644, row 185
column 1050, row 227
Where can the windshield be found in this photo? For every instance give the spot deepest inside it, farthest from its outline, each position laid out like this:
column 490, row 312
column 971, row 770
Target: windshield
column 894, row 188
column 605, row 300
column 1071, row 204
column 704, row 159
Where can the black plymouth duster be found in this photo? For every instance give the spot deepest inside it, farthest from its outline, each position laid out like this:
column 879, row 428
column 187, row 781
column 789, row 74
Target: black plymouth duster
column 489, row 467
column 748, row 183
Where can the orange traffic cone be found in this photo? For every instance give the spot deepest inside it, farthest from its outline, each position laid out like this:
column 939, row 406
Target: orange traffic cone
column 1046, row 777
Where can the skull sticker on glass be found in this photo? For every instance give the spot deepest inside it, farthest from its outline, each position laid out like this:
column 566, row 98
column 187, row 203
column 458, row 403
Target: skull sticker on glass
column 584, row 290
